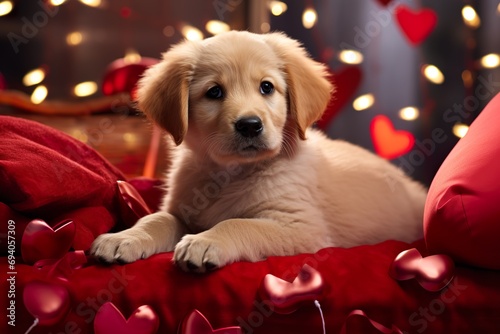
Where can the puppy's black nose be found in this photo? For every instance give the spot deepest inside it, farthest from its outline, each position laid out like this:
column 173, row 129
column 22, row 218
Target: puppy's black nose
column 249, row 126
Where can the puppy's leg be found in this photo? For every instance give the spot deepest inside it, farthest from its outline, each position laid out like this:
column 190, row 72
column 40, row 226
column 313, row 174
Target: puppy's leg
column 154, row 233
column 245, row 239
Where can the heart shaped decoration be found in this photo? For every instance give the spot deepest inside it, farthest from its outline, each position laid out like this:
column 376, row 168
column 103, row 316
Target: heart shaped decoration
column 346, row 83
column 388, row 142
column 132, row 204
column 40, row 241
column 64, row 267
column 286, row 297
column 358, row 322
column 47, row 302
column 433, row 272
column 196, row 323
column 416, row 25
column 109, row 319
column 384, row 2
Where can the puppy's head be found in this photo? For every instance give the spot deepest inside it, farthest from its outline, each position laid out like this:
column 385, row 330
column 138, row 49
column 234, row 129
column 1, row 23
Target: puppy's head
column 237, row 96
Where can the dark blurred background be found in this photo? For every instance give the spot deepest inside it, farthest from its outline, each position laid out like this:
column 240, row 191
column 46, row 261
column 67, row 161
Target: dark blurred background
column 432, row 88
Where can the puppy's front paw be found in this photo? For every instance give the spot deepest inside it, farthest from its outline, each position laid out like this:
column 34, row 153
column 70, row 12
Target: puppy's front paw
column 122, row 247
column 200, row 253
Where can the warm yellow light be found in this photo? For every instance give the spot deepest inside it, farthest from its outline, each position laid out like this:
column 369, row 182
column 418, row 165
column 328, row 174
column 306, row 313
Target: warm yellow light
column 57, row 2
column 351, row 57
column 467, row 78
column 34, row 77
column 491, row 60
column 433, row 74
column 216, row 27
column 363, row 102
column 277, row 7
column 91, row 3
column 191, row 33
column 309, row 18
column 498, row 8
column 470, row 17
column 5, row 7
column 39, row 94
column 74, row 38
column 265, row 27
column 409, row 113
column 460, row 130
column 132, row 56
column 85, row 88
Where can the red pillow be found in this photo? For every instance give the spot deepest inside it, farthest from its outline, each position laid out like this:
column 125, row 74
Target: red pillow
column 462, row 212
column 48, row 175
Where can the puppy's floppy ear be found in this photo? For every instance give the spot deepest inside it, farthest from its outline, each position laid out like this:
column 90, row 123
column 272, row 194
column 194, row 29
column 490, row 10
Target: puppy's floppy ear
column 163, row 91
column 309, row 90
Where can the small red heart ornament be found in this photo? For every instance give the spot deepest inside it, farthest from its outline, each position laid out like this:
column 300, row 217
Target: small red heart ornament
column 40, row 241
column 286, row 297
column 132, row 204
column 388, row 142
column 358, row 322
column 416, row 25
column 346, row 83
column 109, row 319
column 47, row 302
column 196, row 323
column 433, row 272
column 64, row 267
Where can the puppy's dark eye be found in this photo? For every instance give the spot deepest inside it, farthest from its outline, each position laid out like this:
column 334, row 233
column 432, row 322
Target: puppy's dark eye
column 266, row 88
column 214, row 93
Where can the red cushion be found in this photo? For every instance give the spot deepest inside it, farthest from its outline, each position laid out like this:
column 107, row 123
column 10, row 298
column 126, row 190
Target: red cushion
column 462, row 212
column 48, row 175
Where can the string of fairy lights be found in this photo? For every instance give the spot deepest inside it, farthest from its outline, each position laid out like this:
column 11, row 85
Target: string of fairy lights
column 430, row 72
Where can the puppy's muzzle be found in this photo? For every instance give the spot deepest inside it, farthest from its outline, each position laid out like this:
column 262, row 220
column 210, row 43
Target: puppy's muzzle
column 249, row 127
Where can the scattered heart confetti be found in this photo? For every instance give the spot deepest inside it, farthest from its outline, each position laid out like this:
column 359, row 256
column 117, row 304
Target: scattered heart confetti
column 358, row 322
column 40, row 241
column 388, row 142
column 433, row 272
column 287, row 297
column 416, row 25
column 47, row 302
column 109, row 319
column 346, row 83
column 196, row 323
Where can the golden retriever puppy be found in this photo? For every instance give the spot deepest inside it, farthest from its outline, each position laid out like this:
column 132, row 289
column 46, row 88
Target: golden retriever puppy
column 250, row 179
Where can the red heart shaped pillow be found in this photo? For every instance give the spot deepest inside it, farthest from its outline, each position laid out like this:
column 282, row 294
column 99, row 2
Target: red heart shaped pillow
column 462, row 211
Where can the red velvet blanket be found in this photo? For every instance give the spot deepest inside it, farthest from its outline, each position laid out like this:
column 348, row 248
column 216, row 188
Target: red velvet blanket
column 49, row 176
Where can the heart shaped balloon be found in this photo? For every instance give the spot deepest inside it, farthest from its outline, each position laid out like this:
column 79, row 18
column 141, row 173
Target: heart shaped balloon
column 416, row 25
column 109, row 319
column 286, row 297
column 196, row 323
column 47, row 302
column 433, row 272
column 132, row 204
column 388, row 142
column 358, row 322
column 346, row 83
column 40, row 241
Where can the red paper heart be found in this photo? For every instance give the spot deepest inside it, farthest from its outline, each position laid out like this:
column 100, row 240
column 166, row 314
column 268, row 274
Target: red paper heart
column 388, row 142
column 122, row 76
column 109, row 319
column 416, row 25
column 47, row 302
column 358, row 322
column 433, row 272
column 131, row 202
column 287, row 297
column 196, row 323
column 346, row 83
column 40, row 241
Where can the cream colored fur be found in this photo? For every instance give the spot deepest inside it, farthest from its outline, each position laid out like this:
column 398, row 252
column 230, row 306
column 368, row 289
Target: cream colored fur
column 289, row 190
